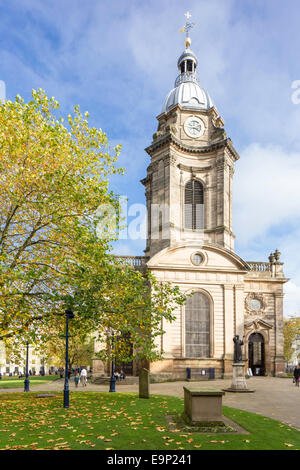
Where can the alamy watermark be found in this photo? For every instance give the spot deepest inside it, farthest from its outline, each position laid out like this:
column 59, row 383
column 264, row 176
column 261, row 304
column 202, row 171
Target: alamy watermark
column 139, row 222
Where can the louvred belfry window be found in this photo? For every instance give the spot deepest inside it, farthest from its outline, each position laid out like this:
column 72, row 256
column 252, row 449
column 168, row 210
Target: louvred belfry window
column 193, row 205
column 197, row 326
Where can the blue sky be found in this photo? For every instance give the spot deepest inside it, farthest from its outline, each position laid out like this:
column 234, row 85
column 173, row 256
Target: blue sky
column 118, row 61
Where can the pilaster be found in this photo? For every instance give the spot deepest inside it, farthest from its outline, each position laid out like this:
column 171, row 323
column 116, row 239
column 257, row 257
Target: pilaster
column 279, row 362
column 228, row 328
column 239, row 310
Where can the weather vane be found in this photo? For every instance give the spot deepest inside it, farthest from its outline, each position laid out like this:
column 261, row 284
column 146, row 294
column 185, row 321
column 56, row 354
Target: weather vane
column 186, row 29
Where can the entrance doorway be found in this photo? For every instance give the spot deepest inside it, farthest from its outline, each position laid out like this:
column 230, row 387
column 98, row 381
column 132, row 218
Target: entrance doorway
column 256, row 354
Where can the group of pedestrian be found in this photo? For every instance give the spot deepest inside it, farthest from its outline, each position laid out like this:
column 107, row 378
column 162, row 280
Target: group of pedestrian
column 80, row 377
column 120, row 375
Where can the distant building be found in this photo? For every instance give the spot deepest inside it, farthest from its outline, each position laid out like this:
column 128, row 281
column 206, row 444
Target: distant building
column 36, row 363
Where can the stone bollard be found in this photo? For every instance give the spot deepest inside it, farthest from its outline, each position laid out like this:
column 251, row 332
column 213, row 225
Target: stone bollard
column 144, row 383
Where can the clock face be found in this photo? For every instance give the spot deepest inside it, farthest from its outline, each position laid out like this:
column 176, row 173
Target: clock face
column 194, row 127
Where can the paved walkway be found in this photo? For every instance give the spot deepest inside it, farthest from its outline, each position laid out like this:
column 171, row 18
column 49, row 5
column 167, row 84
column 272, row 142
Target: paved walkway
column 277, row 398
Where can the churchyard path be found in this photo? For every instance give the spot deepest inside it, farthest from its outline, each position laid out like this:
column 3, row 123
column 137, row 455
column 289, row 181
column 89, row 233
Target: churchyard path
column 274, row 397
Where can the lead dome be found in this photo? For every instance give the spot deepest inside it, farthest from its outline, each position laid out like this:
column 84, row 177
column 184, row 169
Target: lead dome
column 187, row 91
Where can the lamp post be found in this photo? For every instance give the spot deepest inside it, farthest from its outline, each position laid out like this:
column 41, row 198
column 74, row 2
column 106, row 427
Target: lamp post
column 43, row 367
column 69, row 314
column 112, row 385
column 26, row 381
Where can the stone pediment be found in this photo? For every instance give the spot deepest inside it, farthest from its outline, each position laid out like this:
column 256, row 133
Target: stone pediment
column 214, row 258
column 258, row 324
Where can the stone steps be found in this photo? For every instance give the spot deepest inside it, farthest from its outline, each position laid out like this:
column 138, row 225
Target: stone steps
column 129, row 380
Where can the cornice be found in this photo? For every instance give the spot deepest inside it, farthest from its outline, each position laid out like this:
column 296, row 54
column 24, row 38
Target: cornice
column 169, row 138
column 250, row 276
column 194, row 169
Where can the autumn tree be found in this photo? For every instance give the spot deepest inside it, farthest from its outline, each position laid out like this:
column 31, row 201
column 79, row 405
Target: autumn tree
column 291, row 332
column 81, row 349
column 52, row 180
column 127, row 303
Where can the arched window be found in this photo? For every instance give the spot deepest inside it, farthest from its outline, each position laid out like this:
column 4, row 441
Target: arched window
column 197, row 326
column 193, row 205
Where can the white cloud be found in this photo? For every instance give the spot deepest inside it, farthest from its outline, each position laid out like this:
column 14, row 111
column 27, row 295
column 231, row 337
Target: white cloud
column 266, row 191
column 292, row 299
column 266, row 211
column 2, row 90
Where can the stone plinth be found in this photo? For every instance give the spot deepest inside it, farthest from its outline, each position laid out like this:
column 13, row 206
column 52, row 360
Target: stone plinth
column 144, row 383
column 239, row 383
column 203, row 404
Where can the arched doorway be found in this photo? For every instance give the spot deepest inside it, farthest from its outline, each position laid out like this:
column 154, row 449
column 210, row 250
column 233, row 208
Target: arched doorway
column 256, row 354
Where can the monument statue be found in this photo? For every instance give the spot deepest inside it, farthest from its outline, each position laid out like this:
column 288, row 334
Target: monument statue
column 237, row 349
column 239, row 383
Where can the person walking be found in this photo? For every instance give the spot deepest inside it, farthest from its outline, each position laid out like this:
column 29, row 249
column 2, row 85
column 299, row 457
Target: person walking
column 83, row 376
column 76, row 379
column 297, row 375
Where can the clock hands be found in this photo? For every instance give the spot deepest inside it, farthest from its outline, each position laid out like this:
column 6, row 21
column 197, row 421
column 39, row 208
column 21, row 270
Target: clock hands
column 194, row 127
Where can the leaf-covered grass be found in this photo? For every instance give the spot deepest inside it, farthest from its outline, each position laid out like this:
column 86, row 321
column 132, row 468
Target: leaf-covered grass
column 106, row 420
column 15, row 382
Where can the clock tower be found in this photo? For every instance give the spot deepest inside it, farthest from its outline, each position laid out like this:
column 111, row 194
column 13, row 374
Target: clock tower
column 189, row 179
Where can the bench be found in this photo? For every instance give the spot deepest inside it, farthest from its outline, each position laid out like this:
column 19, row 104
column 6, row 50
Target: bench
column 200, row 373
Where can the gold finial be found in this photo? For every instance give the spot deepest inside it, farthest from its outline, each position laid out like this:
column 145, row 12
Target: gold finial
column 186, row 29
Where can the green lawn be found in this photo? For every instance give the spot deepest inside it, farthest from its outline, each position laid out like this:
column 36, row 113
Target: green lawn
column 15, row 382
column 102, row 420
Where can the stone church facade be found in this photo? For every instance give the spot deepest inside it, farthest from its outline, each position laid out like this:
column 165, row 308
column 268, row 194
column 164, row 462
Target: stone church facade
column 191, row 243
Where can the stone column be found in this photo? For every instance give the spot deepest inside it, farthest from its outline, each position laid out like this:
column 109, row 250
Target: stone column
column 279, row 362
column 239, row 310
column 228, row 329
column 220, row 191
column 208, row 207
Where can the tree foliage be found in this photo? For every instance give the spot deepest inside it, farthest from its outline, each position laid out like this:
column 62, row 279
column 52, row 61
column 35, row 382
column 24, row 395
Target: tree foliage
column 80, row 352
column 131, row 304
column 291, row 331
column 53, row 179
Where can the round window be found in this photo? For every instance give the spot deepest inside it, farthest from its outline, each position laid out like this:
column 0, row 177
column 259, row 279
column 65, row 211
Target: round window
column 255, row 304
column 197, row 259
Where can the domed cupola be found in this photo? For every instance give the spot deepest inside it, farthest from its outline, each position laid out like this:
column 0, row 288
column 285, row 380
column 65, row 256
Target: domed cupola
column 187, row 91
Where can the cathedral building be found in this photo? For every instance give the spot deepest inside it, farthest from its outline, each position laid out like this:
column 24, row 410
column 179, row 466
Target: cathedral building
column 190, row 242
